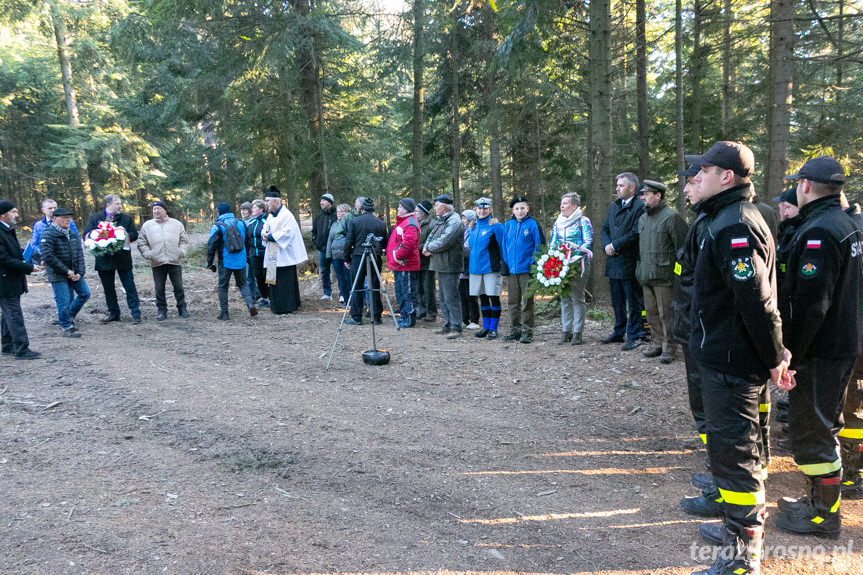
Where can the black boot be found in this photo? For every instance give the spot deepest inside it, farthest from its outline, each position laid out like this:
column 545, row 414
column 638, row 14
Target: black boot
column 741, row 553
column 819, row 514
column 481, row 333
column 713, row 533
column 852, row 470
column 703, row 481
column 576, row 338
column 513, row 335
column 708, row 504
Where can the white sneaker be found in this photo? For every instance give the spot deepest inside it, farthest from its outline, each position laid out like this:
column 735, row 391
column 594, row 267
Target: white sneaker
column 329, row 297
column 341, row 300
column 471, row 325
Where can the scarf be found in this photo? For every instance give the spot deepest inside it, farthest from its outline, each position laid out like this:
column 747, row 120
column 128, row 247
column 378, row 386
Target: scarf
column 64, row 231
column 566, row 221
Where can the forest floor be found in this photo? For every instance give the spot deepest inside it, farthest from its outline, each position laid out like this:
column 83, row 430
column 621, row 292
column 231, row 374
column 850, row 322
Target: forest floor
column 203, row 447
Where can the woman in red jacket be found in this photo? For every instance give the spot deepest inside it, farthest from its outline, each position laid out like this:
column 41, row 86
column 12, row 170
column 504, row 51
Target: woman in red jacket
column 403, row 258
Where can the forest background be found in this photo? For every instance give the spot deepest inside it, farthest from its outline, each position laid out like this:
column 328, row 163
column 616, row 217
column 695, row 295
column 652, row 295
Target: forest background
column 201, row 101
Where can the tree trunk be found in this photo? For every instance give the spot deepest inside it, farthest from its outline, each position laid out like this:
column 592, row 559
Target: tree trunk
column 492, row 117
column 840, row 38
column 678, row 89
column 417, row 190
column 62, row 38
column 641, row 91
column 455, row 126
column 727, row 87
column 287, row 162
column 778, row 131
column 599, row 86
column 696, row 73
column 308, row 63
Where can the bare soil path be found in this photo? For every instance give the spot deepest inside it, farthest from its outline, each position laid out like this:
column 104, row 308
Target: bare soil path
column 202, row 447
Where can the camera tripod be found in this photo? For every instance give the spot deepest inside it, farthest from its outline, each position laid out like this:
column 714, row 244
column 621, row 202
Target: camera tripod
column 371, row 265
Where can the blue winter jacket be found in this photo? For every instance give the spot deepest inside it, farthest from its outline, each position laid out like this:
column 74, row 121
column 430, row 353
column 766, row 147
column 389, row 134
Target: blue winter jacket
column 235, row 261
column 521, row 239
column 486, row 247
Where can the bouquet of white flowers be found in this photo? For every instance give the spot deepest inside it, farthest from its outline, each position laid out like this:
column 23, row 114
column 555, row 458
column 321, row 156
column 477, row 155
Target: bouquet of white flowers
column 105, row 240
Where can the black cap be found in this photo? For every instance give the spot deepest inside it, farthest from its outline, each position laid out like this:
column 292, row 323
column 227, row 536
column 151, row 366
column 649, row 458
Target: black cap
column 789, row 196
column 408, row 204
column 6, row 206
column 690, row 171
column 732, row 156
column 425, row 207
column 823, row 169
column 159, row 203
column 517, row 200
column 224, row 208
column 273, row 192
column 368, row 205
column 444, row 199
column 59, row 212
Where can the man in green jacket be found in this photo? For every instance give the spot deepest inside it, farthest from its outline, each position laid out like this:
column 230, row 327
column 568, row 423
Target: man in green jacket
column 661, row 232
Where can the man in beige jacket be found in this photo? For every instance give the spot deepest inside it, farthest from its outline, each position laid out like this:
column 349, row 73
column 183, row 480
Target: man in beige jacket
column 163, row 242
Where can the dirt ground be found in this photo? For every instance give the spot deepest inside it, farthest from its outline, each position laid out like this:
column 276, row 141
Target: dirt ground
column 202, row 447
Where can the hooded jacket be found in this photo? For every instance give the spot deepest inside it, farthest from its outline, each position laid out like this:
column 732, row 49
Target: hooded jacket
column 216, row 243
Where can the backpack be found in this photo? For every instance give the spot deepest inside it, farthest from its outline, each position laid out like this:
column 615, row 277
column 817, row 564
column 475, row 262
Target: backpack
column 233, row 240
column 338, row 245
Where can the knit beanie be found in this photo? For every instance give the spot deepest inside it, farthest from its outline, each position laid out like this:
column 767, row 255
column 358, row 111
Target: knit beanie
column 408, row 204
column 6, row 207
column 224, row 208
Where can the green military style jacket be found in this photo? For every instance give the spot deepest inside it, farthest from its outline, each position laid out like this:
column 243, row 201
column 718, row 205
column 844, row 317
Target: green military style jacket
column 661, row 232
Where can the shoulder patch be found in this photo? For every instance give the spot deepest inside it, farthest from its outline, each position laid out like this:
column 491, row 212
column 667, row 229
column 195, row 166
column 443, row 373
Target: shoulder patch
column 741, row 268
column 813, row 244
column 809, row 269
column 739, row 242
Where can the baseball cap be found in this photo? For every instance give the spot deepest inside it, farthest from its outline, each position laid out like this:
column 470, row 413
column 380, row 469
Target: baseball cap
column 733, row 156
column 823, row 169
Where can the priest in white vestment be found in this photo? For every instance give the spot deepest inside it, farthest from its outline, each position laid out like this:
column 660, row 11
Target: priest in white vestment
column 284, row 246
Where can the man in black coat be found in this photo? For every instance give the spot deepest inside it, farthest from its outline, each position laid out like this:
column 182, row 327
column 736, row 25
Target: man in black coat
column 320, row 234
column 61, row 250
column 13, row 268
column 121, row 261
column 620, row 242
column 358, row 230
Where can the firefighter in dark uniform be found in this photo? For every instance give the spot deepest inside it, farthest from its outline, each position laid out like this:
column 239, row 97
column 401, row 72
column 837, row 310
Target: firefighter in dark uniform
column 736, row 340
column 708, row 504
column 851, row 436
column 822, row 326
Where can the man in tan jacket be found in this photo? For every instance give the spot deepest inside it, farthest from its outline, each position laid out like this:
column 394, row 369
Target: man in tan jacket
column 163, row 242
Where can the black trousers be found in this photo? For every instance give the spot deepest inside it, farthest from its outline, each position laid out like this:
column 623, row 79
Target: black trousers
column 734, row 445
column 358, row 274
column 257, row 264
column 693, row 384
column 815, row 413
column 13, row 334
column 160, row 277
column 469, row 303
column 853, row 412
column 427, row 293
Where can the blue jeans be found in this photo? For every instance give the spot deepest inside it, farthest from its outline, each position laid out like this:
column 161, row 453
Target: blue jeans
column 325, row 262
column 252, row 281
column 67, row 307
column 405, row 294
column 343, row 275
column 627, row 294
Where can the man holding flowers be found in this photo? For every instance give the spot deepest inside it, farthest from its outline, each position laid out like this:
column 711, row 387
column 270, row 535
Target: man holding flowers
column 120, row 227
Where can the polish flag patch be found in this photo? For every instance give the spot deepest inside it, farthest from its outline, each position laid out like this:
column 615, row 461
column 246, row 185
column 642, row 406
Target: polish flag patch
column 739, row 242
column 813, row 244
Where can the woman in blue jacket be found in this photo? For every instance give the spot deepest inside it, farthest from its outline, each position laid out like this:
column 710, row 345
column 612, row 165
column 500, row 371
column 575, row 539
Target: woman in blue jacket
column 521, row 238
column 486, row 254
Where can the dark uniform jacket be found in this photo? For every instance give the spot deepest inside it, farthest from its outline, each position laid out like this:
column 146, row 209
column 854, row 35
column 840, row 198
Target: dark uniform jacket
column 321, row 228
column 684, row 275
column 620, row 228
column 787, row 229
column 661, row 232
column 122, row 259
column 425, row 228
column 13, row 268
column 821, row 295
column 61, row 254
column 736, row 328
column 358, row 230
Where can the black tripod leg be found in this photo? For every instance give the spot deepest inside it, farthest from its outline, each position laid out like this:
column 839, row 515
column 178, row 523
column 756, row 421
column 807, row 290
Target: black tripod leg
column 344, row 315
column 390, row 306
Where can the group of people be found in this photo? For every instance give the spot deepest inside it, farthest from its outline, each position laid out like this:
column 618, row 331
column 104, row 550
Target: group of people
column 749, row 303
column 749, row 310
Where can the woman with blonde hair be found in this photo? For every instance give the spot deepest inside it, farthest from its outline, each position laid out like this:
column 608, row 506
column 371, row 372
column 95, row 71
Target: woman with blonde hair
column 572, row 229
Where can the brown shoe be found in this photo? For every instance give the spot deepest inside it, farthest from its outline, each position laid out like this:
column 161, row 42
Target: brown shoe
column 253, row 311
column 654, row 351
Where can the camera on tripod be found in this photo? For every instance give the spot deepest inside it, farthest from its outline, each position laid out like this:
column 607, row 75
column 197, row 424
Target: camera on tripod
column 373, row 242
